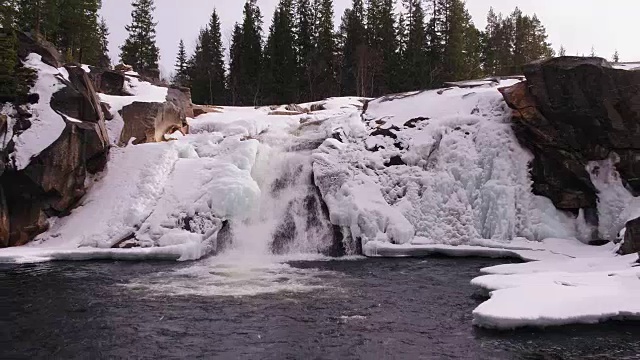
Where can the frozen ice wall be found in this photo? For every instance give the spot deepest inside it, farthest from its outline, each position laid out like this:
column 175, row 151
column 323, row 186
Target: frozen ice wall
column 438, row 166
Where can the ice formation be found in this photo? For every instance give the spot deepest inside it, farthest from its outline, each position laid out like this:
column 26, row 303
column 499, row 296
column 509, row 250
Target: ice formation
column 432, row 167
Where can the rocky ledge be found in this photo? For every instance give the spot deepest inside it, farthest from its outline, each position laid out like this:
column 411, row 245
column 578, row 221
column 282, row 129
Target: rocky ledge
column 569, row 112
column 43, row 174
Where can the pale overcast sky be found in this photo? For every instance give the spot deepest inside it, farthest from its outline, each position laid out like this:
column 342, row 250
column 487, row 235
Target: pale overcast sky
column 576, row 24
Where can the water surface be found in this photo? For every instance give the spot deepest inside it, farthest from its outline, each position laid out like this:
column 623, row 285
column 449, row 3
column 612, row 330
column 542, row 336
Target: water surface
column 355, row 309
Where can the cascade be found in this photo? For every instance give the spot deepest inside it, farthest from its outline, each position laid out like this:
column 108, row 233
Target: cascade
column 291, row 217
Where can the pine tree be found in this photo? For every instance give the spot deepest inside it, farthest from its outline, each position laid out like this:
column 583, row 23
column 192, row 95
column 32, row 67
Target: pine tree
column 180, row 77
column 562, row 51
column 8, row 52
column 416, row 65
column 246, row 58
column 353, row 50
column 216, row 71
column 103, row 35
column 305, row 45
column 491, row 45
column 593, row 52
column 383, row 60
column 325, row 66
column 235, row 59
column 616, row 57
column 280, row 86
column 140, row 50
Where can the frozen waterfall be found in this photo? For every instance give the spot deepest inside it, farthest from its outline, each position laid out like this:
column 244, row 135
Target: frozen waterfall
column 290, row 216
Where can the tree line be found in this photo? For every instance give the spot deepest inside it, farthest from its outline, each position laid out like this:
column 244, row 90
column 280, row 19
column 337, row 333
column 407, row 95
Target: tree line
column 376, row 50
column 379, row 47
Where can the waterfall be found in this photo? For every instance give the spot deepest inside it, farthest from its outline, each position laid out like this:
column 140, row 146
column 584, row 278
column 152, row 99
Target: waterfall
column 291, row 217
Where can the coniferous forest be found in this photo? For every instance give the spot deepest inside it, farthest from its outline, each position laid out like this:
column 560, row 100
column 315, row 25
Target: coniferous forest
column 375, row 50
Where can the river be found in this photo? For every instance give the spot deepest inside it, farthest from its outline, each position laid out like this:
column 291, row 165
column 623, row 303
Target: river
column 311, row 309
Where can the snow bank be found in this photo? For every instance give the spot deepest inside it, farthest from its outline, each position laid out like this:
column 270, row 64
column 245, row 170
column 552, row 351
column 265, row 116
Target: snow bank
column 141, row 91
column 118, row 202
column 46, row 125
column 545, row 293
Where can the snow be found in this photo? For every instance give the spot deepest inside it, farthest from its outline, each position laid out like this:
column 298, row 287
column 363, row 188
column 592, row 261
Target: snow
column 141, row 91
column 46, row 124
column 627, row 66
column 118, row 202
column 466, row 178
column 616, row 204
column 550, row 293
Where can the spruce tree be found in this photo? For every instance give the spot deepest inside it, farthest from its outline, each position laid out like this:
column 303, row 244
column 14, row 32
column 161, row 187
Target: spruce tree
column 280, row 83
column 325, row 62
column 490, row 44
column 616, row 57
column 140, row 50
column 305, row 37
column 562, row 51
column 354, row 45
column 249, row 62
column 180, row 76
column 103, row 35
column 8, row 52
column 416, row 66
column 235, row 61
column 207, row 73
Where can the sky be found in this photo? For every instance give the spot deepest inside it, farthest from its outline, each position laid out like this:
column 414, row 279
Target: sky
column 578, row 25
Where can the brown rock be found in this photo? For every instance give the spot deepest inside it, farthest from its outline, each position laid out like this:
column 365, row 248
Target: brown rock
column 54, row 181
column 112, row 83
column 149, row 122
column 106, row 111
column 631, row 238
column 30, row 43
column 78, row 99
column 205, row 109
column 123, row 68
column 571, row 111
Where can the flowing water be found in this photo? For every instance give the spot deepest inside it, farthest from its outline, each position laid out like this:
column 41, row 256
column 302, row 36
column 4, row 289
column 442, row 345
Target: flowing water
column 312, row 309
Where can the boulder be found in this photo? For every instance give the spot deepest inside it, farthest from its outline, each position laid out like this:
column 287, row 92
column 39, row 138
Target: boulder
column 78, row 99
column 32, row 43
column 571, row 111
column 54, row 180
column 181, row 98
column 149, row 122
column 631, row 242
column 123, row 68
column 205, row 109
column 112, row 83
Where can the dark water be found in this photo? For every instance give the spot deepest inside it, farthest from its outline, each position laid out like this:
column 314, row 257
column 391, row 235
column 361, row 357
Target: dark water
column 373, row 309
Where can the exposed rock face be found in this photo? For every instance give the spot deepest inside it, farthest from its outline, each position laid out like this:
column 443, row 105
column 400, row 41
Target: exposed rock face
column 631, row 238
column 571, row 111
column 112, row 83
column 29, row 43
column 54, row 181
column 149, row 122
